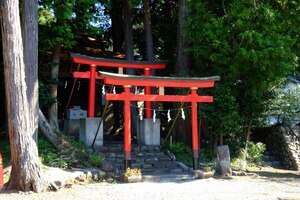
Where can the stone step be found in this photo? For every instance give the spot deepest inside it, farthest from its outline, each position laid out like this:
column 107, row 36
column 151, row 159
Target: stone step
column 150, row 159
column 167, row 177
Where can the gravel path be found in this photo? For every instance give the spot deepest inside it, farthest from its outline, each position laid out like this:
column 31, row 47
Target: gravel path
column 240, row 188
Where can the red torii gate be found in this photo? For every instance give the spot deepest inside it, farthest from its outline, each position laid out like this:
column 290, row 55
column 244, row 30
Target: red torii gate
column 120, row 64
column 149, row 81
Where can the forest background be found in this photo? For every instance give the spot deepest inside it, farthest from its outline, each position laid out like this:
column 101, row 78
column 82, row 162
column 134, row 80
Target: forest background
column 252, row 45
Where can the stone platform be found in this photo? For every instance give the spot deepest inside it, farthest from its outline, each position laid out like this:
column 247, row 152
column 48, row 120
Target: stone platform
column 150, row 159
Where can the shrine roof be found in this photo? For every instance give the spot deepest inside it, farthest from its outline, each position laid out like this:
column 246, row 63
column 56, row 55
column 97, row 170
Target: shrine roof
column 182, row 82
column 105, row 62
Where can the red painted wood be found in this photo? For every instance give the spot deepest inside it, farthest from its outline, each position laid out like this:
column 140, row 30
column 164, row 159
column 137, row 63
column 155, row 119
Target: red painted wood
column 195, row 138
column 85, row 75
column 160, row 98
column 118, row 63
column 159, row 83
column 92, row 91
column 127, row 121
column 148, row 113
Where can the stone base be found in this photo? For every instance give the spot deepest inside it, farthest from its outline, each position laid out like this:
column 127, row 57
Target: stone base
column 202, row 175
column 71, row 128
column 87, row 131
column 148, row 132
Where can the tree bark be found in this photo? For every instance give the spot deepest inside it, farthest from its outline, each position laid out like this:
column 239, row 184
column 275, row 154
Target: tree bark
column 183, row 58
column 183, row 63
column 48, row 131
column 247, row 134
column 117, row 26
column 127, row 18
column 30, row 42
column 148, row 30
column 53, row 110
column 26, row 171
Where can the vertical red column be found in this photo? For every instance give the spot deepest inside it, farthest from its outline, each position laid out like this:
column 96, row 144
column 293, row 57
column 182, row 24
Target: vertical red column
column 148, row 113
column 195, row 138
column 127, row 128
column 92, row 88
column 1, row 172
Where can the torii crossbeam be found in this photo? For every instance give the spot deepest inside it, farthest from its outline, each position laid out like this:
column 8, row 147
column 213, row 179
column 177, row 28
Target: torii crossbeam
column 150, row 81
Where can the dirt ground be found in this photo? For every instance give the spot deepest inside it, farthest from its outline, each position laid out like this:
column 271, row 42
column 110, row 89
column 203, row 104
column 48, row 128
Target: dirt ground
column 268, row 184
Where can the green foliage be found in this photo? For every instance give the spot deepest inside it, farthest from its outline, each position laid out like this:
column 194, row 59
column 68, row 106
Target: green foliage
column 50, row 156
column 285, row 106
column 45, row 100
column 207, row 155
column 4, row 149
column 250, row 47
column 182, row 152
column 95, row 160
column 255, row 152
column 253, row 156
column 74, row 155
column 223, row 115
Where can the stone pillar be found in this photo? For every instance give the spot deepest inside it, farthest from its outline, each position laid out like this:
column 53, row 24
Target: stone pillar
column 223, row 161
column 148, row 132
column 87, row 131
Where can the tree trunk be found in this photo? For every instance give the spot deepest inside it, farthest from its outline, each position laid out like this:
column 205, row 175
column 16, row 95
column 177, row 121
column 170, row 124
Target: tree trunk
column 53, row 110
column 26, row 171
column 247, row 134
column 48, row 131
column 183, row 58
column 183, row 61
column 30, row 42
column 127, row 17
column 148, row 30
column 117, row 26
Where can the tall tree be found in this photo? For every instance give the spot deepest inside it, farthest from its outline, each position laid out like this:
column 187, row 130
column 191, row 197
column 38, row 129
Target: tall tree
column 53, row 109
column 30, row 42
column 246, row 47
column 183, row 68
column 183, row 57
column 26, row 171
column 127, row 19
column 148, row 30
column 117, row 26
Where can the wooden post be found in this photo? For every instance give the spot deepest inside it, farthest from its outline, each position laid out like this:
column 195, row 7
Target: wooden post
column 92, row 85
column 195, row 138
column 148, row 113
column 127, row 128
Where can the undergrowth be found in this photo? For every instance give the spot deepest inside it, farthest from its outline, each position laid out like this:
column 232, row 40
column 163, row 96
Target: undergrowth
column 73, row 155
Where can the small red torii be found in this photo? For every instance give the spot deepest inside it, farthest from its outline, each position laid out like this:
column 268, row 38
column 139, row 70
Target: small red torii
column 113, row 63
column 150, row 81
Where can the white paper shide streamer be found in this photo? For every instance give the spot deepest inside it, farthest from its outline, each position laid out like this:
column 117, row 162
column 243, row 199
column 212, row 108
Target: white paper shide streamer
column 182, row 114
column 114, row 90
column 141, row 113
column 169, row 116
column 154, row 116
column 66, row 84
column 103, row 90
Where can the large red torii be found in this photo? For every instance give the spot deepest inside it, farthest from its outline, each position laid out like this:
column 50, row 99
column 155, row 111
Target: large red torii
column 149, row 81
column 94, row 62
